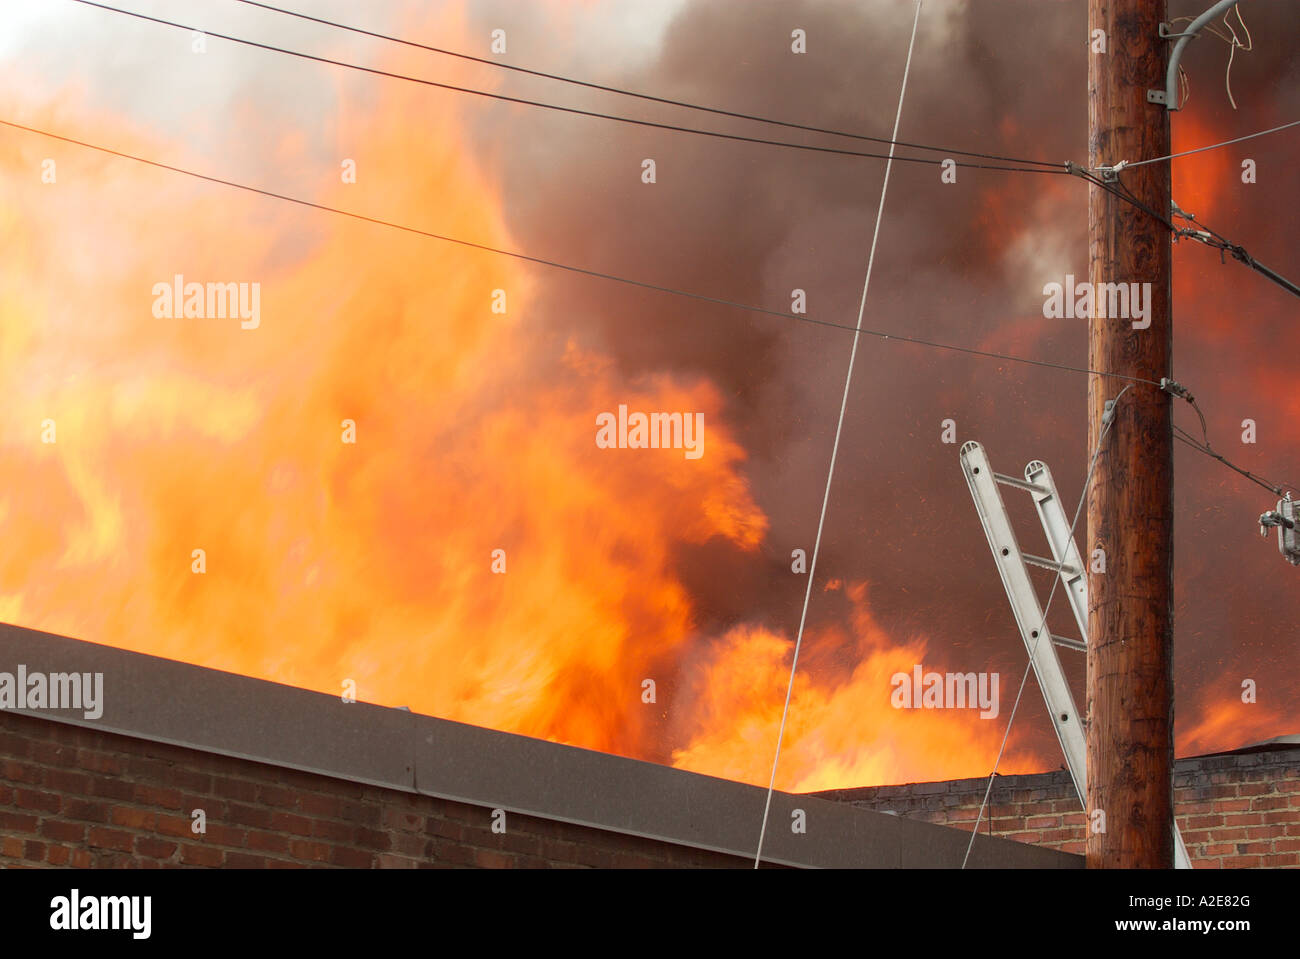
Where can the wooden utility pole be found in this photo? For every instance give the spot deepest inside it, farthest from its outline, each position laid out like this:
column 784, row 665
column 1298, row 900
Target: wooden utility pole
column 1130, row 499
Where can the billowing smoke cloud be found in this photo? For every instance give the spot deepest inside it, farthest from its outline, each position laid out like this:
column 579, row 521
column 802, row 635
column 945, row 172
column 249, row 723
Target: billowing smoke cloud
column 958, row 263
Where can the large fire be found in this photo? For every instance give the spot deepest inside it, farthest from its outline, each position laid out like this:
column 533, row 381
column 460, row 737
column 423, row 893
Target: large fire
column 326, row 561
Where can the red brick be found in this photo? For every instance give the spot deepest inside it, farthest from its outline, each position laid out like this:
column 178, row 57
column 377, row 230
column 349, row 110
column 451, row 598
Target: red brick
column 267, row 842
column 352, row 858
column 63, row 831
column 440, row 850
column 445, row 828
column 277, row 796
column 1051, row 836
column 288, row 822
column 1200, row 822
column 315, row 804
column 492, row 859
column 17, row 822
column 132, row 818
column 370, row 838
column 20, row 772
column 14, row 744
column 1243, row 862
column 100, row 762
column 201, row 856
column 1043, row 822
column 1232, row 805
column 110, row 839
column 54, row 754
column 248, row 815
column 42, row 801
column 1243, row 819
column 154, row 848
column 327, row 829
column 1223, row 835
column 1273, row 802
column 314, row 851
column 234, row 788
column 180, row 826
column 366, row 814
column 243, row 860
column 1264, row 832
column 86, row 810
column 117, row 790
column 34, row 851
column 1030, row 837
column 148, row 795
column 1262, row 848
column 403, row 820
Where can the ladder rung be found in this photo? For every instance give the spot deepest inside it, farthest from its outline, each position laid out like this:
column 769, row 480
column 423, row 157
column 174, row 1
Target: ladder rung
column 1019, row 483
column 1049, row 564
column 1068, row 643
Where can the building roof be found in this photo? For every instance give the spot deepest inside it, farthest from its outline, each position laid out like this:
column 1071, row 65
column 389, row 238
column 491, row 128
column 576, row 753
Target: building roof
column 162, row 700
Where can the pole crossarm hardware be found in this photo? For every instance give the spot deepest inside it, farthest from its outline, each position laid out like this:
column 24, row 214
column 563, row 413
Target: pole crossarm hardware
column 1013, row 567
column 1287, row 520
column 1169, row 95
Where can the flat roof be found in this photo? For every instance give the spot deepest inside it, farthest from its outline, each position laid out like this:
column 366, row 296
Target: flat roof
column 161, row 700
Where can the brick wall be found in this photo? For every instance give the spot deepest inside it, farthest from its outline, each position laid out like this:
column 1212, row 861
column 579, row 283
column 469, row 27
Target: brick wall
column 71, row 796
column 1234, row 810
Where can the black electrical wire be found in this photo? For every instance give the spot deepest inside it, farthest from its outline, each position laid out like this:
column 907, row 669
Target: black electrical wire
column 570, row 268
column 563, row 109
column 640, row 96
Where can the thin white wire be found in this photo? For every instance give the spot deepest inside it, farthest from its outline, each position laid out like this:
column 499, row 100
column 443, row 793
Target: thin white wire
column 1042, row 629
column 1232, row 49
column 844, row 402
column 1214, row 146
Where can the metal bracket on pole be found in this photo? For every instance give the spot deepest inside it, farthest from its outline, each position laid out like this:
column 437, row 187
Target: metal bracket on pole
column 1287, row 520
column 1013, row 567
column 1169, row 95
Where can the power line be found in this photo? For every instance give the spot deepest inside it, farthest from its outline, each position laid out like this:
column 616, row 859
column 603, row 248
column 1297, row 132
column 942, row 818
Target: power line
column 839, row 429
column 640, row 96
column 1212, row 146
column 552, row 106
column 1174, row 388
column 1221, row 243
column 1116, row 187
column 1185, row 437
column 567, row 267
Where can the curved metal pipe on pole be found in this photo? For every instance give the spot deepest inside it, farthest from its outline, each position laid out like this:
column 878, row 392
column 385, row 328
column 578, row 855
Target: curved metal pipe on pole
column 1171, row 77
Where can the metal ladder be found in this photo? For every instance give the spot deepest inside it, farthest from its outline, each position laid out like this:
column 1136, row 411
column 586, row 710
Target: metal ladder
column 1013, row 566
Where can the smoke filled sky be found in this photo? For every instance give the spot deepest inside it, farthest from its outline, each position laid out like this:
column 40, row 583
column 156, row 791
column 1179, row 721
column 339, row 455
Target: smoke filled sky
column 327, row 560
